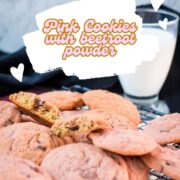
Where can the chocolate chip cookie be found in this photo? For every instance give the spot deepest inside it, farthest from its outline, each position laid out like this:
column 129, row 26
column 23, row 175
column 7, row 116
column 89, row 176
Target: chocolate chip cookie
column 165, row 129
column 101, row 99
column 89, row 121
column 14, row 168
column 124, row 141
column 9, row 114
column 64, row 100
column 113, row 120
column 79, row 124
column 164, row 160
column 27, row 140
column 82, row 161
column 36, row 107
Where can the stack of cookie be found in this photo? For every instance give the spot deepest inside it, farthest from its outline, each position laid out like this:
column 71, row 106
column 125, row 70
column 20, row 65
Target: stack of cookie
column 67, row 135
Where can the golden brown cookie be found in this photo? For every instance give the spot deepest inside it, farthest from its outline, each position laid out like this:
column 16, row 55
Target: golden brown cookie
column 82, row 161
column 164, row 160
column 83, row 122
column 14, row 168
column 37, row 108
column 9, row 114
column 124, row 141
column 27, row 140
column 64, row 100
column 101, row 99
column 79, row 125
column 165, row 129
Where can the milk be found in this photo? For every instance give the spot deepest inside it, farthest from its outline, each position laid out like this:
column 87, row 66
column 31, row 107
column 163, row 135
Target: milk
column 150, row 76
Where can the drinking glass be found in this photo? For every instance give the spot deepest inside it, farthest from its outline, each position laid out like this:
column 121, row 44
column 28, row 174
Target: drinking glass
column 143, row 86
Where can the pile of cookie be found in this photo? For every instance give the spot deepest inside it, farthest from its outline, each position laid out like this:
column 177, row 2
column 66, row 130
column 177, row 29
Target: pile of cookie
column 64, row 135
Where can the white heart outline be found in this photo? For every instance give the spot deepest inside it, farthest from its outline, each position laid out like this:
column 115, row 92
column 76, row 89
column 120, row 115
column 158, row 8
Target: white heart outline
column 18, row 72
column 163, row 23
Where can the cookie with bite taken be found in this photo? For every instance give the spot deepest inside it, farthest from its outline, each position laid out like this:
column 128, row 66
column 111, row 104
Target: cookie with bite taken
column 36, row 107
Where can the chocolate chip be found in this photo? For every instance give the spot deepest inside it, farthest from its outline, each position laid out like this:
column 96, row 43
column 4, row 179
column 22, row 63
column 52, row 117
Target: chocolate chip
column 75, row 128
column 8, row 122
column 34, row 168
column 42, row 148
column 169, row 163
column 38, row 103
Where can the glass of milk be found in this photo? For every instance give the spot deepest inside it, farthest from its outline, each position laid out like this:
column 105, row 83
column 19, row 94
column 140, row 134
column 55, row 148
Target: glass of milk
column 143, row 86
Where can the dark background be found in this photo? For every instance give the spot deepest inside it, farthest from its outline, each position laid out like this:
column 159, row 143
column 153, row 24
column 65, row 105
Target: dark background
column 56, row 79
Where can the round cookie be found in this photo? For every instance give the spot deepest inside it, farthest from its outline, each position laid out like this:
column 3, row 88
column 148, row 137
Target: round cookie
column 165, row 129
column 14, row 168
column 124, row 141
column 9, row 114
column 111, row 119
column 137, row 169
column 101, row 99
column 164, row 160
column 82, row 161
column 80, row 125
column 64, row 100
column 114, row 120
column 27, row 140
